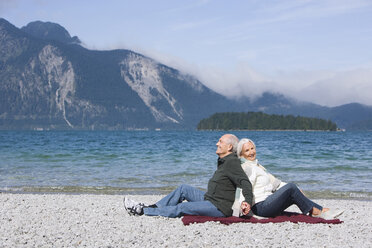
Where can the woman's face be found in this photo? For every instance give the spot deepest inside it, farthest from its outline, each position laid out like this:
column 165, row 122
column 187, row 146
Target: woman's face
column 248, row 151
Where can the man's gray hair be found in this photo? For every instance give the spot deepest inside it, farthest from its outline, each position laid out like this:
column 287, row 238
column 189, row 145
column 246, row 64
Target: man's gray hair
column 232, row 140
column 241, row 144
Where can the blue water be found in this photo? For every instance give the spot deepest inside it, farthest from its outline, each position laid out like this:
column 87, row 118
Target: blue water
column 323, row 164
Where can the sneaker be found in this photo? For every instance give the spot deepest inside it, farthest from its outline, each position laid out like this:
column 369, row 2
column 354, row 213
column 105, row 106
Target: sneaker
column 133, row 207
column 330, row 214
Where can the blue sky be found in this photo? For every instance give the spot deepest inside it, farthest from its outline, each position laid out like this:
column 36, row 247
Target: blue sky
column 318, row 51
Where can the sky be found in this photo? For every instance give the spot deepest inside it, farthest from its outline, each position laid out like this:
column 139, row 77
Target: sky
column 311, row 50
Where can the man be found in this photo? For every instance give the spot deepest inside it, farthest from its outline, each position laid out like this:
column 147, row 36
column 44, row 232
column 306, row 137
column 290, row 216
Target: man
column 219, row 198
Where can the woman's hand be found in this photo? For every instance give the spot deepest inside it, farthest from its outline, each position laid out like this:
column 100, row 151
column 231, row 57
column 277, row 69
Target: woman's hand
column 245, row 207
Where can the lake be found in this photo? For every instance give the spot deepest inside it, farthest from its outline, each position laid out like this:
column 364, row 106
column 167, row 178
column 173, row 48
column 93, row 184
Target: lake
column 323, row 164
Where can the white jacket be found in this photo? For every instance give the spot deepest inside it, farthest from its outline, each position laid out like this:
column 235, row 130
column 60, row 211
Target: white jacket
column 263, row 184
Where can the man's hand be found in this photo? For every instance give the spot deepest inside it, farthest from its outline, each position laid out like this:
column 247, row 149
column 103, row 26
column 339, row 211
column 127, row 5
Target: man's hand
column 245, row 207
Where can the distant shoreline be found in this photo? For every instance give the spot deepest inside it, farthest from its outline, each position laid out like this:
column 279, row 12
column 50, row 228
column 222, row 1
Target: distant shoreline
column 260, row 120
column 271, row 130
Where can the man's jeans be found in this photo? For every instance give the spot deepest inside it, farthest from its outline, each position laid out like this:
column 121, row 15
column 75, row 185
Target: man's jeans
column 173, row 206
column 284, row 197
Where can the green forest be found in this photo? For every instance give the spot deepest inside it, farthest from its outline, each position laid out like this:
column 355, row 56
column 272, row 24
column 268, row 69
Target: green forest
column 262, row 121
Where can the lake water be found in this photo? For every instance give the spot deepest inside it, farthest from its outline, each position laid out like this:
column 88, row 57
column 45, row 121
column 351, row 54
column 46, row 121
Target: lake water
column 323, row 164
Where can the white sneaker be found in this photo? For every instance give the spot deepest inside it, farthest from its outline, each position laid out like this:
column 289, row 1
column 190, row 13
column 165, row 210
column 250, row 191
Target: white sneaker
column 330, row 214
column 133, row 207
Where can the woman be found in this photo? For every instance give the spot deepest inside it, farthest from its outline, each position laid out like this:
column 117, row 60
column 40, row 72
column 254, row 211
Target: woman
column 271, row 196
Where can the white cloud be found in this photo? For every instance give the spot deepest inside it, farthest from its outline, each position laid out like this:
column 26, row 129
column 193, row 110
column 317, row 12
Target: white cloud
column 324, row 87
column 340, row 88
column 329, row 87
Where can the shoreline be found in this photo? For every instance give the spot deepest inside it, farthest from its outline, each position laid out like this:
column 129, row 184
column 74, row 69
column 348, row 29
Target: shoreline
column 271, row 130
column 151, row 195
column 78, row 190
column 90, row 220
column 122, row 194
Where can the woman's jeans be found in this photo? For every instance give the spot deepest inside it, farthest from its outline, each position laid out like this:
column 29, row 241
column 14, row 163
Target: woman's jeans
column 281, row 199
column 173, row 206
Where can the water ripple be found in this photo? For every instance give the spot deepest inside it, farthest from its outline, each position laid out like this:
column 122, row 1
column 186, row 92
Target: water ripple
column 138, row 161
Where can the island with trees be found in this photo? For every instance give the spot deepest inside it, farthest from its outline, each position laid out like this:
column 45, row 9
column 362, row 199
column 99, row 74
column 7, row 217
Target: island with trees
column 262, row 121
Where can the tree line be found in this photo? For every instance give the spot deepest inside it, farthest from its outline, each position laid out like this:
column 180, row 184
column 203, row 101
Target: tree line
column 262, row 121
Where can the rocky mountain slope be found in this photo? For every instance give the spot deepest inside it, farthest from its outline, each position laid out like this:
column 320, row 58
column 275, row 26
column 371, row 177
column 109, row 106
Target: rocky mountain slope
column 48, row 80
column 49, row 83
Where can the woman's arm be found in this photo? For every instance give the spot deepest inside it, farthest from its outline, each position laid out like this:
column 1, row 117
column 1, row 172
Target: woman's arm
column 275, row 182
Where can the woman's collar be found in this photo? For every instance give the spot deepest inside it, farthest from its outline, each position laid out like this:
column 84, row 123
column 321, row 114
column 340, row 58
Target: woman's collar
column 244, row 160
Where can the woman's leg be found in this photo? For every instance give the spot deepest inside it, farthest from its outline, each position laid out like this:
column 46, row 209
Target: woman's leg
column 183, row 192
column 281, row 199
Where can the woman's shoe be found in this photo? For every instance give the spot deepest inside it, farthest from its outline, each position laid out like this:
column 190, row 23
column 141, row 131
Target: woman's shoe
column 330, row 214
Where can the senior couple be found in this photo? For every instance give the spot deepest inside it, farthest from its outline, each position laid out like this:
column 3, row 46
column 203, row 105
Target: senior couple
column 240, row 179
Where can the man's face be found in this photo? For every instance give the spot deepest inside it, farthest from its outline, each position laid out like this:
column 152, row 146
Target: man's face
column 223, row 148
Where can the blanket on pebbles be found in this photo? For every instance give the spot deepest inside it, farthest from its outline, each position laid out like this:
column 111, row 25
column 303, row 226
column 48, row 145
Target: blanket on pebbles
column 287, row 216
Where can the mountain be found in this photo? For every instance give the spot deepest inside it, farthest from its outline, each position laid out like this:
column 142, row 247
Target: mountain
column 48, row 80
column 353, row 116
column 50, row 31
column 54, row 83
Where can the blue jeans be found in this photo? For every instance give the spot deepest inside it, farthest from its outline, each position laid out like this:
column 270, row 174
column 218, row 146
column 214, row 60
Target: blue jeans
column 173, row 206
column 281, row 199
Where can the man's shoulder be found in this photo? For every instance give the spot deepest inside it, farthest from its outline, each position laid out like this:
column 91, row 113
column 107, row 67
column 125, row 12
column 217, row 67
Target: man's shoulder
column 232, row 159
column 233, row 156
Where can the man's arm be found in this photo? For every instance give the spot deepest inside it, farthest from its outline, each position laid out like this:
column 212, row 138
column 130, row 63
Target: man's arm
column 240, row 179
column 247, row 203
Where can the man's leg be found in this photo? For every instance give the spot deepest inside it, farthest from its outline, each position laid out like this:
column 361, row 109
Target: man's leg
column 276, row 203
column 204, row 208
column 183, row 192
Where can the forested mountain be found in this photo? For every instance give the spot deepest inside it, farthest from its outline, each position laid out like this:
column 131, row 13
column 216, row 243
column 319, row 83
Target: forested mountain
column 49, row 80
column 262, row 121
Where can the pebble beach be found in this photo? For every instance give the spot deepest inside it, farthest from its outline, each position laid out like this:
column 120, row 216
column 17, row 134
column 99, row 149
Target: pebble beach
column 87, row 220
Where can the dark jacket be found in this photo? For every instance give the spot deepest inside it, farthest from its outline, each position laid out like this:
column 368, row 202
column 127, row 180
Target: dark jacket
column 222, row 186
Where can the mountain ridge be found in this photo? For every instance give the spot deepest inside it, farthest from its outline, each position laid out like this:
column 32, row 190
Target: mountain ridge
column 58, row 84
column 94, row 83
column 50, row 31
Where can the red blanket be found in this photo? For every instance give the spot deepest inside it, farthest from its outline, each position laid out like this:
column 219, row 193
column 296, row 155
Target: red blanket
column 287, row 216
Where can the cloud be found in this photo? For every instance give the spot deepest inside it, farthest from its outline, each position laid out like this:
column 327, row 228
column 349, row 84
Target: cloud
column 342, row 87
column 268, row 37
column 241, row 81
column 324, row 87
